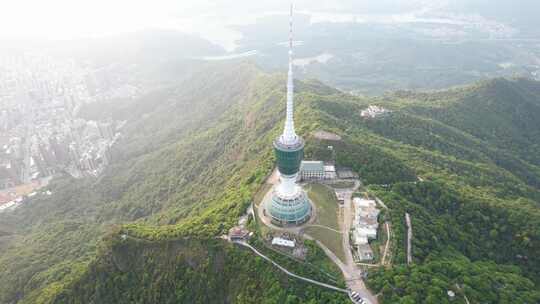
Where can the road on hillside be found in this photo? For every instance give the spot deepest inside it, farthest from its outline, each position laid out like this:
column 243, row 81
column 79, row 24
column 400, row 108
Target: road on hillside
column 383, row 260
column 409, row 238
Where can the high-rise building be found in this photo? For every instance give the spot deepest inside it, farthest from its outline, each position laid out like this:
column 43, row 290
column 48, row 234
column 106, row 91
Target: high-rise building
column 289, row 204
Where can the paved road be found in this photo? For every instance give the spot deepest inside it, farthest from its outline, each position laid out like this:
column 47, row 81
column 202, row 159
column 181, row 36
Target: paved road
column 329, row 253
column 290, row 273
column 409, row 238
column 383, row 260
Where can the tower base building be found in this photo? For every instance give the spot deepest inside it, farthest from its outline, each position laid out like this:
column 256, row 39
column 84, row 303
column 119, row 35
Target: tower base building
column 289, row 211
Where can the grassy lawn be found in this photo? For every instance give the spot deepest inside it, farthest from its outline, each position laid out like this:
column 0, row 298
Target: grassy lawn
column 327, row 215
column 343, row 185
column 327, row 206
column 330, row 239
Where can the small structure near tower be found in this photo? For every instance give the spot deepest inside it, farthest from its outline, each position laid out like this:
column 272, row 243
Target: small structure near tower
column 238, row 234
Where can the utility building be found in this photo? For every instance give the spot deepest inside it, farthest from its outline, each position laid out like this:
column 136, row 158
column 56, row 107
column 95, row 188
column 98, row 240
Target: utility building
column 312, row 170
column 316, row 170
column 283, row 242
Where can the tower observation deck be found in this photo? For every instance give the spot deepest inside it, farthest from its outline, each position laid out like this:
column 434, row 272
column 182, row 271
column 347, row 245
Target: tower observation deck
column 289, row 204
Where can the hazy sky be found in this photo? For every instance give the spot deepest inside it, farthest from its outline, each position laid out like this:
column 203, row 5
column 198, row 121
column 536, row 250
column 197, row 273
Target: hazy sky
column 65, row 19
column 75, row 18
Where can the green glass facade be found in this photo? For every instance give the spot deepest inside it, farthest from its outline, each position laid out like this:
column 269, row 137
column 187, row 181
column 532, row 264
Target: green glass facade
column 289, row 157
column 290, row 211
column 294, row 210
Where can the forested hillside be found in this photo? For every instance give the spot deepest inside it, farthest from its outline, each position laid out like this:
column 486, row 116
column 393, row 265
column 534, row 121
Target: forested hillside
column 477, row 195
column 462, row 162
column 195, row 161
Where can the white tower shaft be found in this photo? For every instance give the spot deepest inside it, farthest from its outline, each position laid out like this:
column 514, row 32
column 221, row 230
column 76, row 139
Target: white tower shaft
column 289, row 135
column 287, row 186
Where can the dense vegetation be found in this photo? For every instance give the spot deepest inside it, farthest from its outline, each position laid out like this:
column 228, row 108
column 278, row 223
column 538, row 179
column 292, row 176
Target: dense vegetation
column 374, row 164
column 480, row 282
column 191, row 160
column 156, row 178
column 476, row 149
column 139, row 271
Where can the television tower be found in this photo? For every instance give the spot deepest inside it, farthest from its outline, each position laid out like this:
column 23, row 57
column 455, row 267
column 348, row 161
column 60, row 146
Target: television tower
column 289, row 204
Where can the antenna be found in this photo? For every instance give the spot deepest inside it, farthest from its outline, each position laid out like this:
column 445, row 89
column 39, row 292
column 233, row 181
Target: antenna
column 291, row 28
column 289, row 135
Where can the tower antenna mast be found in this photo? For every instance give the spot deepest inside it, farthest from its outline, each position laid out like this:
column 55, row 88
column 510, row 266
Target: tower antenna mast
column 289, row 204
column 289, row 135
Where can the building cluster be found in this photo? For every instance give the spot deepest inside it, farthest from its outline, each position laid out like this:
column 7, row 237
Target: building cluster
column 15, row 196
column 365, row 226
column 40, row 133
column 374, row 112
column 237, row 234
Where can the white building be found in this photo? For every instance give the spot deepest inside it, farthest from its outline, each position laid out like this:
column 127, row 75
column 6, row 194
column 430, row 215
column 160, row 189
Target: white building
column 359, row 238
column 368, row 232
column 330, row 172
column 366, row 213
column 360, row 202
column 283, row 242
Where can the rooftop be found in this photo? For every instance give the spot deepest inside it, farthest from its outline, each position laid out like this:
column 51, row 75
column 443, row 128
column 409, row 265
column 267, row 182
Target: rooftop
column 365, row 252
column 283, row 242
column 238, row 232
column 296, row 145
column 329, row 168
column 360, row 202
column 308, row 165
